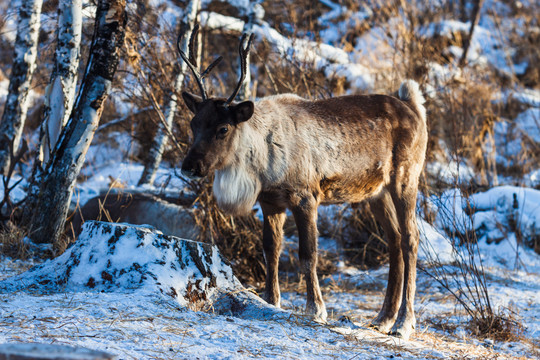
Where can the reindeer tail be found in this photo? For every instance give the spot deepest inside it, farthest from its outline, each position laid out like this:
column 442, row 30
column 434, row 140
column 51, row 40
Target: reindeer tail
column 410, row 91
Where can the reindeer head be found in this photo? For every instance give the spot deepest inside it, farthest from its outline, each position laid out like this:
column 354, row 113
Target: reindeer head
column 216, row 120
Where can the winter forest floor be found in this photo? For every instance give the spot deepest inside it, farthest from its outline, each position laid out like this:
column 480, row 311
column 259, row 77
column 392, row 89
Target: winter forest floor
column 136, row 326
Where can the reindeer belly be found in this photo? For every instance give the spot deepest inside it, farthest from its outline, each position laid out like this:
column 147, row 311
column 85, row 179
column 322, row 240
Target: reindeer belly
column 352, row 188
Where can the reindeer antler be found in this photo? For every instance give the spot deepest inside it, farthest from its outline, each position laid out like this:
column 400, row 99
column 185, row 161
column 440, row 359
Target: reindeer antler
column 191, row 61
column 244, row 53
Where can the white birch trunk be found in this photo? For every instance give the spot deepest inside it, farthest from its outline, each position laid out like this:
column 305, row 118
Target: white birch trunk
column 255, row 16
column 24, row 63
column 62, row 170
column 60, row 93
column 155, row 153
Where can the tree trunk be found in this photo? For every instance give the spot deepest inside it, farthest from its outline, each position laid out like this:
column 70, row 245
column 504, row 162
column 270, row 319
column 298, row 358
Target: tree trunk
column 60, row 92
column 155, row 152
column 463, row 10
column 24, row 63
column 61, row 173
column 474, row 21
column 255, row 16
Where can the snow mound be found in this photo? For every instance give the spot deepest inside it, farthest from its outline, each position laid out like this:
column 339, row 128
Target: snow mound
column 501, row 205
column 505, row 219
column 110, row 257
column 434, row 245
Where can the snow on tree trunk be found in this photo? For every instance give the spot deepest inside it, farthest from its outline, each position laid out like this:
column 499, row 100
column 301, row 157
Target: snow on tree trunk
column 61, row 173
column 255, row 16
column 110, row 257
column 24, row 63
column 155, row 152
column 60, row 93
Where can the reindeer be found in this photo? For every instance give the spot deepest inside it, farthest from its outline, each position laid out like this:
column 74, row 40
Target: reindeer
column 287, row 152
column 165, row 214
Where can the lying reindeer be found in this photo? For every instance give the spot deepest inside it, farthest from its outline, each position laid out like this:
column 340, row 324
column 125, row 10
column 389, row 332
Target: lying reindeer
column 287, row 152
column 140, row 209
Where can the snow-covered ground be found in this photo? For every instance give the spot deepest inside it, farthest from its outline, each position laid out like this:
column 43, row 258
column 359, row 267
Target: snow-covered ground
column 138, row 325
column 147, row 325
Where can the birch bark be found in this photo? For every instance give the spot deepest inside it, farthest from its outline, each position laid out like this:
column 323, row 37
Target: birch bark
column 60, row 93
column 61, row 173
column 24, row 63
column 155, row 152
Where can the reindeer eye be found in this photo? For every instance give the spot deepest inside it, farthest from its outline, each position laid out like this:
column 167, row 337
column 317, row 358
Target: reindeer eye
column 224, row 130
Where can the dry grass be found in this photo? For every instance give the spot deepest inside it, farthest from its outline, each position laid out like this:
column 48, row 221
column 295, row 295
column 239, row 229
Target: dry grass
column 359, row 235
column 238, row 238
column 500, row 327
column 12, row 242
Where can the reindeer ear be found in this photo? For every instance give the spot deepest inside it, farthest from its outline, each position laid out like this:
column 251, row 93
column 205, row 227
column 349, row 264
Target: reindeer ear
column 243, row 111
column 191, row 101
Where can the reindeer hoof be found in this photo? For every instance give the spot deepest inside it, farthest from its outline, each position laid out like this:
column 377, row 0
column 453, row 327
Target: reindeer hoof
column 403, row 330
column 318, row 313
column 383, row 327
column 382, row 323
column 273, row 301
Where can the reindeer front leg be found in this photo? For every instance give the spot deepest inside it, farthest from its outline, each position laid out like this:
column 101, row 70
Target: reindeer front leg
column 274, row 218
column 305, row 216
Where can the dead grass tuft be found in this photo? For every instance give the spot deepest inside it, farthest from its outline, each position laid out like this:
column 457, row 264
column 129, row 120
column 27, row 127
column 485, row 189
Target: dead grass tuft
column 12, row 242
column 500, row 327
column 359, row 234
column 238, row 238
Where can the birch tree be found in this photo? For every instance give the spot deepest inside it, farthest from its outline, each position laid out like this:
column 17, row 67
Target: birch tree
column 60, row 93
column 155, row 152
column 61, row 173
column 24, row 63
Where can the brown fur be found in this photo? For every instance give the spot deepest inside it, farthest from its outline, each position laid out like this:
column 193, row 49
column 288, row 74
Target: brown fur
column 288, row 152
column 138, row 209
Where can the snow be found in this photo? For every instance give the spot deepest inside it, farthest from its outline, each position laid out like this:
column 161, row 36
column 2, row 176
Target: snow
column 9, row 29
column 19, row 184
column 145, row 324
column 434, row 245
column 503, row 218
column 529, row 97
column 451, row 171
column 112, row 257
column 486, row 47
column 4, row 85
column 218, row 21
column 333, row 60
column 126, row 176
column 528, row 124
column 334, row 33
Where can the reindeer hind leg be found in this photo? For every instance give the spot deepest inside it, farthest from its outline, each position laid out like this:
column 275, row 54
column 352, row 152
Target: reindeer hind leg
column 385, row 213
column 405, row 203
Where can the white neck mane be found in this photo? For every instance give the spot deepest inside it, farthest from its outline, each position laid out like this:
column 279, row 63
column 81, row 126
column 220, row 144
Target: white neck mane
column 237, row 186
